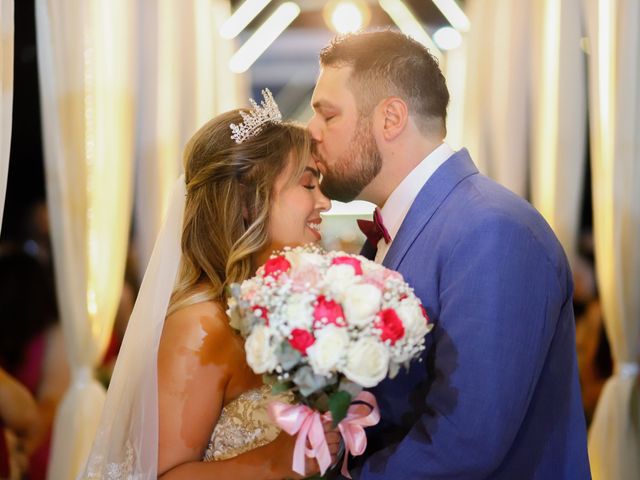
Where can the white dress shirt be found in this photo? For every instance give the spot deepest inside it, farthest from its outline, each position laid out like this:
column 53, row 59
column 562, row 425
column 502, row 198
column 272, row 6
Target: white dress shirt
column 397, row 205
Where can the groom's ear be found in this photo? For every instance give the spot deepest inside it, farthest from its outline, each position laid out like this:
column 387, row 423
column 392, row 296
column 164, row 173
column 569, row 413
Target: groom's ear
column 395, row 116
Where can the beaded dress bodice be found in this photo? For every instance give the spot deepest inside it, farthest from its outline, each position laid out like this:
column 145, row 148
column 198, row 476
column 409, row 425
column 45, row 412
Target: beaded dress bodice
column 244, row 424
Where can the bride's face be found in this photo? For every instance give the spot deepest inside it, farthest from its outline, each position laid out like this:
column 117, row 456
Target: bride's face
column 295, row 212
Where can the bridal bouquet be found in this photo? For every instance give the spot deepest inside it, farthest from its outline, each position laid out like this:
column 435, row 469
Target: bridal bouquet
column 324, row 325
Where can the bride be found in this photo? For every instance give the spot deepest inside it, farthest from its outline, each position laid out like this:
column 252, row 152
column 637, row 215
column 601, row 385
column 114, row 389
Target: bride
column 183, row 402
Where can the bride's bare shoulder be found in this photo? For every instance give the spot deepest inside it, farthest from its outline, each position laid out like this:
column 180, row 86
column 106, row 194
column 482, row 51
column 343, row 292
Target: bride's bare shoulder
column 192, row 323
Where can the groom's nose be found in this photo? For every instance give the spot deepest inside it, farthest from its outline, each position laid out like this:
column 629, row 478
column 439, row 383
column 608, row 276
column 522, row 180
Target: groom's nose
column 314, row 128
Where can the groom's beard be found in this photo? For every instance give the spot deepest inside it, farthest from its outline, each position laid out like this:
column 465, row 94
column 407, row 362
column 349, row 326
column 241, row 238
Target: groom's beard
column 354, row 170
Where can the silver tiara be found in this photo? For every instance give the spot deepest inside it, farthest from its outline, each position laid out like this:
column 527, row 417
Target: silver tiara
column 253, row 121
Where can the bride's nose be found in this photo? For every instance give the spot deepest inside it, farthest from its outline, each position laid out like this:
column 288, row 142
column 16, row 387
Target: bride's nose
column 323, row 204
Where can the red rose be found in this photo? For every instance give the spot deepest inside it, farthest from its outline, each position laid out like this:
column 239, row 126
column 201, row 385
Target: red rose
column 276, row 266
column 424, row 314
column 326, row 312
column 301, row 340
column 261, row 312
column 354, row 262
column 391, row 325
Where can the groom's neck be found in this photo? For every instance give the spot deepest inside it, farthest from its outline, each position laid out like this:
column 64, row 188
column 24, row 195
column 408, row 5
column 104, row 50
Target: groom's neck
column 398, row 160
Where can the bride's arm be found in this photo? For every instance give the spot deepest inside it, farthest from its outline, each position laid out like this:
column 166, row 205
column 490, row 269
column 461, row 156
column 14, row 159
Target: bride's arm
column 197, row 357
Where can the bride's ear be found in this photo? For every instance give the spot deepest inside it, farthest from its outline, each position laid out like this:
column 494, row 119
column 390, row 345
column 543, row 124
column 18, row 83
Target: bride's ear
column 395, row 115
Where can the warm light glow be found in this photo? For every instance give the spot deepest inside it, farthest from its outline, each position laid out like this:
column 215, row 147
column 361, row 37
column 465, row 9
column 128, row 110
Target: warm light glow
column 548, row 120
column 454, row 14
column 409, row 24
column 108, row 117
column 264, row 36
column 447, row 38
column 242, row 17
column 346, row 16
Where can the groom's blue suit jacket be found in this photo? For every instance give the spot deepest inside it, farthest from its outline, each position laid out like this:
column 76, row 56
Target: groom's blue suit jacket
column 496, row 395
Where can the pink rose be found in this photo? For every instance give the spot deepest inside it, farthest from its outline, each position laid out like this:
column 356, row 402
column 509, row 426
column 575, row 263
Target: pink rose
column 301, row 340
column 327, row 312
column 344, row 260
column 390, row 325
column 276, row 266
column 304, row 277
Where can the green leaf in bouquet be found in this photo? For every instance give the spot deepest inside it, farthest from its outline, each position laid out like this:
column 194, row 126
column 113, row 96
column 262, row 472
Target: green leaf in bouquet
column 308, row 382
column 280, row 387
column 288, row 357
column 350, row 387
column 338, row 405
column 269, row 379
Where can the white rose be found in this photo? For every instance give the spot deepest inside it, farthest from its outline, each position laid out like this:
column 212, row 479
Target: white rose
column 415, row 325
column 340, row 278
column 302, row 259
column 367, row 362
column 326, row 354
column 261, row 355
column 361, row 303
column 299, row 311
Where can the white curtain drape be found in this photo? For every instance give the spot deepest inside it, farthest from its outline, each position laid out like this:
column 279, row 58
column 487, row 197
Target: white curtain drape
column 614, row 99
column 6, row 94
column 497, row 89
column 184, row 80
column 559, row 117
column 525, row 113
column 86, row 84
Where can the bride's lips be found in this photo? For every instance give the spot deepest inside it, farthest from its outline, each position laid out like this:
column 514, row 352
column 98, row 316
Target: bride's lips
column 314, row 226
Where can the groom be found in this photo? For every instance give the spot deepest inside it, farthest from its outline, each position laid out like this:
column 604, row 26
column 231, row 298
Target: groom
column 497, row 394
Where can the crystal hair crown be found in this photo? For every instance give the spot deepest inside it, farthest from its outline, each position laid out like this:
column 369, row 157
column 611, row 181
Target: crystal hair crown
column 253, row 121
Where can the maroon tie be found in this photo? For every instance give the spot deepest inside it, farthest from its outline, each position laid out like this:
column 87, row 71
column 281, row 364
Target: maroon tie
column 374, row 230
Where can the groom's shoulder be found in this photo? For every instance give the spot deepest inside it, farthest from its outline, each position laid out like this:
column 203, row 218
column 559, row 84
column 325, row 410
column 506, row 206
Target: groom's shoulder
column 482, row 206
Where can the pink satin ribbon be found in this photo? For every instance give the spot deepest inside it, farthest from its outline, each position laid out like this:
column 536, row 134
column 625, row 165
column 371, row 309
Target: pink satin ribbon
column 307, row 423
column 359, row 416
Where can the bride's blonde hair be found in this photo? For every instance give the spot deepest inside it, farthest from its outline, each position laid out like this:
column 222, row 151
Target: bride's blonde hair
column 229, row 192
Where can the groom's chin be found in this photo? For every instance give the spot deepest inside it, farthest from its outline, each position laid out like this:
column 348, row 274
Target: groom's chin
column 341, row 193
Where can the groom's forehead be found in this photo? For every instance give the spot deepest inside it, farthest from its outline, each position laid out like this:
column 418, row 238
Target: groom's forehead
column 334, row 76
column 332, row 87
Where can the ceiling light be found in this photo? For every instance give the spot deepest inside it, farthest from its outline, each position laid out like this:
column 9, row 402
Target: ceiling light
column 409, row 24
column 447, row 38
column 454, row 14
column 242, row 17
column 345, row 16
column 264, row 36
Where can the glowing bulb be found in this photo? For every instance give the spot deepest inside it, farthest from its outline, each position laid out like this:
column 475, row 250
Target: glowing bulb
column 447, row 38
column 346, row 17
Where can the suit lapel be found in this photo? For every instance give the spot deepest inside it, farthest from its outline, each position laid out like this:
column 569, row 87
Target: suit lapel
column 458, row 167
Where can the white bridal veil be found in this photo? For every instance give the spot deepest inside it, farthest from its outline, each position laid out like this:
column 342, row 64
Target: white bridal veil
column 126, row 444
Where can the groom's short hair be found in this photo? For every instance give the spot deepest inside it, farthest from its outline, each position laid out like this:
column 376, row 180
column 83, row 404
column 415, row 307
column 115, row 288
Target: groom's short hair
column 387, row 63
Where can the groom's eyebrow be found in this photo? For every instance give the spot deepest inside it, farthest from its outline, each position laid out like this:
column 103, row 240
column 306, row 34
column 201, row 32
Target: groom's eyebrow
column 321, row 104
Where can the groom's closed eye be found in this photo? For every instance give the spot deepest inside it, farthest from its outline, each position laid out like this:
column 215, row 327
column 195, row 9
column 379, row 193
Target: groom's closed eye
column 326, row 110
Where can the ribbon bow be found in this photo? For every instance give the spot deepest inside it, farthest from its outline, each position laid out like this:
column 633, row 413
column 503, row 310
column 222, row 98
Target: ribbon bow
column 307, row 423
column 362, row 413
